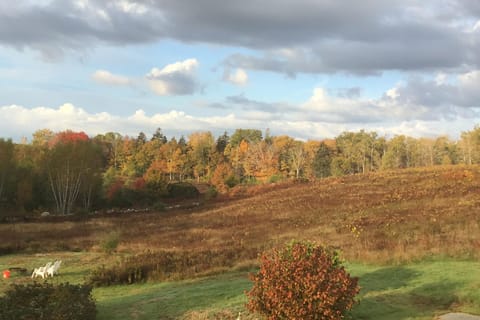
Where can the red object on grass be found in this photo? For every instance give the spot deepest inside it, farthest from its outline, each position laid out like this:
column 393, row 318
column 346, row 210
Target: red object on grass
column 6, row 274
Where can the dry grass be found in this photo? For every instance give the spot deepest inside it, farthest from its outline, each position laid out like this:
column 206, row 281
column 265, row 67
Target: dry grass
column 382, row 217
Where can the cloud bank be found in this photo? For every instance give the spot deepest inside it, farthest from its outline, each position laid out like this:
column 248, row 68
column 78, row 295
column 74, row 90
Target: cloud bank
column 418, row 107
column 303, row 36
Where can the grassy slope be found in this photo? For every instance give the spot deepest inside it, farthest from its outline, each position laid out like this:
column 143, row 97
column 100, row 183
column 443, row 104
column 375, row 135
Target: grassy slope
column 389, row 216
column 383, row 217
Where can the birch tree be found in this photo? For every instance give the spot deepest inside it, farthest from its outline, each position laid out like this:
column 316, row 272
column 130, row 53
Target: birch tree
column 297, row 158
column 71, row 165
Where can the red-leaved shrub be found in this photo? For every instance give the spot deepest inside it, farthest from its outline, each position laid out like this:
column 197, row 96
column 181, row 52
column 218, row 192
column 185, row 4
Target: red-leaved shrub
column 302, row 281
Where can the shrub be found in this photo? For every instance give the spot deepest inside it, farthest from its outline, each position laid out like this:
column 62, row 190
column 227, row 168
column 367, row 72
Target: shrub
column 211, row 193
column 168, row 265
column 182, row 190
column 302, row 281
column 48, row 302
column 110, row 243
column 275, row 178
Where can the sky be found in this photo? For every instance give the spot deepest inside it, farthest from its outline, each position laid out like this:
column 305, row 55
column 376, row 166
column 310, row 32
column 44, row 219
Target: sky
column 310, row 69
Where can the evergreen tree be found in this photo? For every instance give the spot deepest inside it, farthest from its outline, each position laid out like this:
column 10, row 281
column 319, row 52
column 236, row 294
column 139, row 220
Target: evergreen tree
column 322, row 161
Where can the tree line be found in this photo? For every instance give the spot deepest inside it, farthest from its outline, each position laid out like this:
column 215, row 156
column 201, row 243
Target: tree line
column 71, row 172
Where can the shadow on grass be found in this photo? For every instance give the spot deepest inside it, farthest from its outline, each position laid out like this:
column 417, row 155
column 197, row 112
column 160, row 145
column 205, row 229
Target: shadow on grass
column 435, row 296
column 171, row 300
column 392, row 294
column 387, row 279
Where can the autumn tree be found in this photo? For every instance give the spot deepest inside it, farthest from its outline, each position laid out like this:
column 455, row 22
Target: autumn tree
column 159, row 136
column 155, row 176
column 91, row 178
column 223, row 177
column 249, row 135
column 144, row 155
column 310, row 148
column 71, row 163
column 221, row 143
column 261, row 160
column 282, row 145
column 344, row 163
column 297, row 158
column 6, row 168
column 32, row 186
column 357, row 152
column 469, row 146
column 201, row 147
column 126, row 159
column 175, row 159
column 427, row 153
column 445, row 151
column 396, row 155
column 322, row 161
column 42, row 137
column 110, row 143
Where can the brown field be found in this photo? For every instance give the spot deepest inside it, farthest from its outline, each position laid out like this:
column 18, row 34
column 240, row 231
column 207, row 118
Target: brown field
column 386, row 217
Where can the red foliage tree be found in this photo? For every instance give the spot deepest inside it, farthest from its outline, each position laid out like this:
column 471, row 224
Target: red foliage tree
column 68, row 136
column 114, row 188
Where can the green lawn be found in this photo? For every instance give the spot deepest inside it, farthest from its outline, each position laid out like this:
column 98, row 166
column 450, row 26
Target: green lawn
column 417, row 290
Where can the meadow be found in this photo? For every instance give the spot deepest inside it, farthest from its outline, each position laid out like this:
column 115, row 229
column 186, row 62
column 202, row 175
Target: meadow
column 411, row 236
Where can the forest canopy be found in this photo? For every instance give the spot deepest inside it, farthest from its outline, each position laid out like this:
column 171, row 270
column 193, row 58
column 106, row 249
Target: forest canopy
column 70, row 172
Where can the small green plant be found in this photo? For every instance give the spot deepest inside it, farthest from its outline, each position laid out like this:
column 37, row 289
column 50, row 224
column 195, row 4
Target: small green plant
column 302, row 281
column 110, row 243
column 44, row 301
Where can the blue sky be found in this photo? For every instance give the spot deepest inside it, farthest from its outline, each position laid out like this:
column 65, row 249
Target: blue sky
column 310, row 69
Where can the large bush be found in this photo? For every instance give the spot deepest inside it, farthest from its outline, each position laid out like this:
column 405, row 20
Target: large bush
column 183, row 190
column 48, row 302
column 302, row 281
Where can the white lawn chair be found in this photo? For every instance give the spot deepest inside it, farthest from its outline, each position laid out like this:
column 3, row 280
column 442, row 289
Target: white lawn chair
column 53, row 270
column 41, row 271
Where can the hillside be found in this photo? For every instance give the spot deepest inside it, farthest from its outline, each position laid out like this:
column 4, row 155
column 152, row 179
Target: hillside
column 388, row 216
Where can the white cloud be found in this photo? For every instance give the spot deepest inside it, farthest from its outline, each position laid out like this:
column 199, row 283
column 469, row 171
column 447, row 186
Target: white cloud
column 174, row 79
column 469, row 79
column 131, row 7
column 441, row 79
column 186, row 67
column 239, row 77
column 105, row 77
